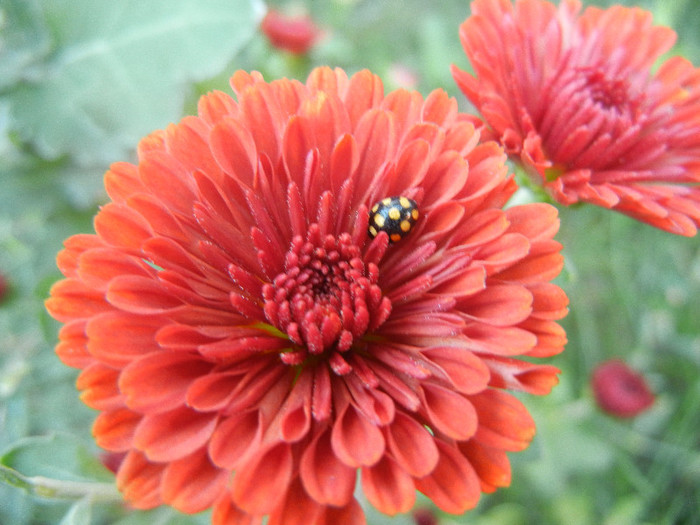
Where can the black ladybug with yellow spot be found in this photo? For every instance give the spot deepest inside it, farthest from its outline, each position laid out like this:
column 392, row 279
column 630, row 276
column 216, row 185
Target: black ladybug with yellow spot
column 393, row 215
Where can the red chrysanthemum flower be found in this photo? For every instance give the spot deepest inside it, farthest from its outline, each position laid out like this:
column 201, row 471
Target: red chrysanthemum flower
column 619, row 390
column 250, row 347
column 294, row 34
column 573, row 97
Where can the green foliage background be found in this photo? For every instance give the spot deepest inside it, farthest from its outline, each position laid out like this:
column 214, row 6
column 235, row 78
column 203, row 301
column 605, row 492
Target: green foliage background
column 82, row 80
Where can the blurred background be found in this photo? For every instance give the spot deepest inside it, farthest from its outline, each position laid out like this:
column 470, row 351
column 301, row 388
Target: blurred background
column 82, row 80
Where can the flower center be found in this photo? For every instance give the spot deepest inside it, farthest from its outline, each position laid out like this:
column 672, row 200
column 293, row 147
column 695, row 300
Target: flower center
column 611, row 94
column 326, row 298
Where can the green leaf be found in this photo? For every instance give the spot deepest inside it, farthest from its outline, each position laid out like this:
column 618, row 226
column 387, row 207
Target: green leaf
column 80, row 513
column 117, row 70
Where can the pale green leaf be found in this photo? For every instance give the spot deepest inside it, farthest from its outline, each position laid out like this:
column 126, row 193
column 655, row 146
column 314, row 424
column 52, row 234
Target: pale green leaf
column 57, row 456
column 118, row 70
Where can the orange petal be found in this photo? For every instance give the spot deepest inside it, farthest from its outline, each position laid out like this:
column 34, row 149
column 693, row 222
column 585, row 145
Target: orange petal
column 226, row 513
column 536, row 221
column 121, row 227
column 388, row 487
column 297, row 508
column 294, row 418
column 139, row 480
column 192, row 484
column 97, row 267
column 114, row 429
column 351, row 514
column 172, row 435
column 500, row 305
column 453, row 485
column 72, row 346
column 490, row 464
column 117, row 338
column 71, row 299
column 140, row 295
column 355, row 440
column 467, row 373
column 327, row 480
column 411, row 445
column 261, row 483
column 513, row 374
column 235, row 437
column 212, row 391
column 166, row 177
column 158, row 382
column 99, row 387
column 234, row 149
column 449, row 412
column 215, row 106
column 504, row 422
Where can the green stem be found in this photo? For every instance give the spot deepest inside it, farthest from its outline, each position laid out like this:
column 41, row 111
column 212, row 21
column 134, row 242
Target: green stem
column 60, row 489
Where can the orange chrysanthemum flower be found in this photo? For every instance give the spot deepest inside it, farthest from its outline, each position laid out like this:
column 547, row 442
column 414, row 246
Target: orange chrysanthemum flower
column 251, row 347
column 573, row 97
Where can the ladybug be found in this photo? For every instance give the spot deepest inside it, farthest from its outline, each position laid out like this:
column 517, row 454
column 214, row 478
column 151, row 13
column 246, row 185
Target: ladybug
column 393, row 215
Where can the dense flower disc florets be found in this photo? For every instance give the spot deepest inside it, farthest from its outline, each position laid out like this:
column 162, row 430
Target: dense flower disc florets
column 251, row 347
column 572, row 95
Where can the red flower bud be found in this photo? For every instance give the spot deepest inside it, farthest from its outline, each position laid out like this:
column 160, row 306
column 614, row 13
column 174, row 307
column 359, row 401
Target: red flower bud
column 425, row 517
column 619, row 390
column 293, row 34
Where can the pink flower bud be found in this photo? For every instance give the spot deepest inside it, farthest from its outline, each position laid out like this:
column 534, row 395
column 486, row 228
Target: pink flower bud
column 619, row 390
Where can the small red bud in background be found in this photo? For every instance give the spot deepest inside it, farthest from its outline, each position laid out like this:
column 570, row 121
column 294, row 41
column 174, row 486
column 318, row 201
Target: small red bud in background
column 4, row 286
column 296, row 34
column 619, row 390
column 425, row 517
